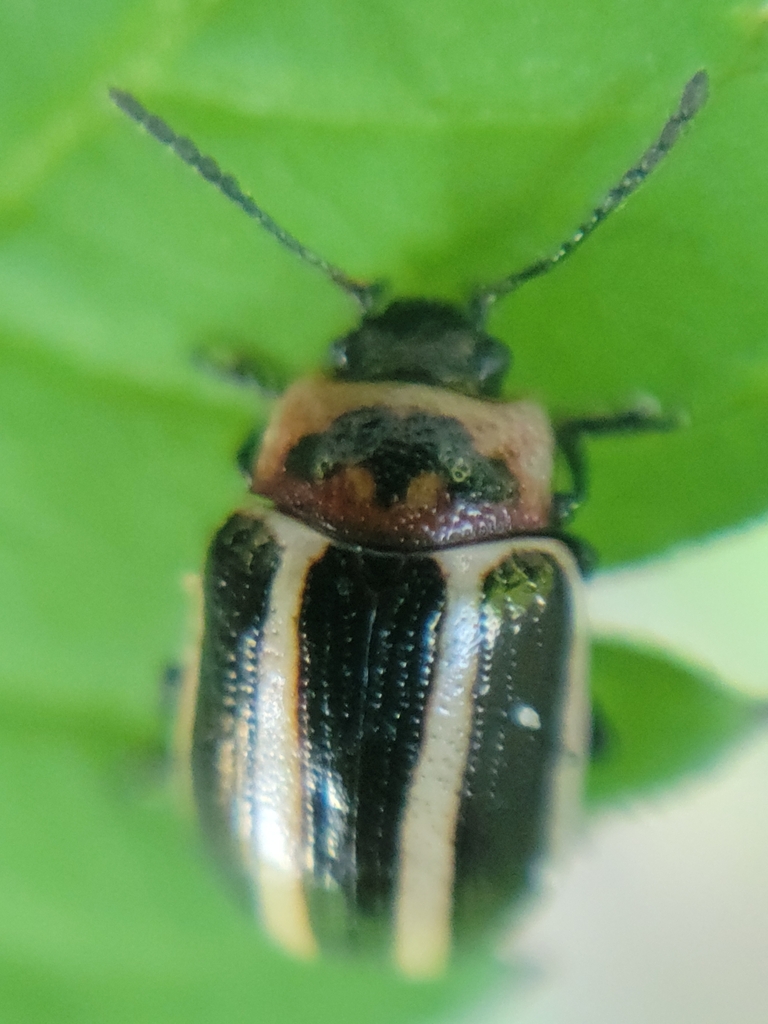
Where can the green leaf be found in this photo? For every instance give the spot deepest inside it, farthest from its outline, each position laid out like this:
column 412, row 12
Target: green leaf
column 657, row 721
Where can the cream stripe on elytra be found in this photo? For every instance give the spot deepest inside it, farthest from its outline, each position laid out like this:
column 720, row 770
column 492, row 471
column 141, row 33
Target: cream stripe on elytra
column 276, row 825
column 567, row 774
column 424, row 901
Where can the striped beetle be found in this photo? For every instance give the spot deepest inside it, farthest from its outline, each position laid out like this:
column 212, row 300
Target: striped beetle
column 386, row 724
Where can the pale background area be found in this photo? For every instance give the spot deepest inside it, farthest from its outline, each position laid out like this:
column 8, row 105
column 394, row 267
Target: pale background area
column 661, row 915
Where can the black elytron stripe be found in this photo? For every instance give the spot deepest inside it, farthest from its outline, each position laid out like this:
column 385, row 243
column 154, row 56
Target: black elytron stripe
column 241, row 565
column 527, row 626
column 368, row 628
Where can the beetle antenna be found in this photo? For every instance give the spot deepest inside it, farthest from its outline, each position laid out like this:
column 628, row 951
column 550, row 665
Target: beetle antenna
column 206, row 166
column 693, row 99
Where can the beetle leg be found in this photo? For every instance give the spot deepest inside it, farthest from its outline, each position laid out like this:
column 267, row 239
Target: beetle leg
column 585, row 554
column 170, row 685
column 570, row 435
column 599, row 742
column 242, row 367
column 235, row 363
column 247, row 452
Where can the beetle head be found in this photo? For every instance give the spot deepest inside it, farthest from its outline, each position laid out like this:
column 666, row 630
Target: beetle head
column 422, row 341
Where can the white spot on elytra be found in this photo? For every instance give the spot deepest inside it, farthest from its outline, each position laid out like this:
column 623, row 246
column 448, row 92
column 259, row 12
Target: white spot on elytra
column 525, row 716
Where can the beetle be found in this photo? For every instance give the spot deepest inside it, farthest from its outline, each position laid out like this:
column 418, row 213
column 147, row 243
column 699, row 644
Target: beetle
column 386, row 722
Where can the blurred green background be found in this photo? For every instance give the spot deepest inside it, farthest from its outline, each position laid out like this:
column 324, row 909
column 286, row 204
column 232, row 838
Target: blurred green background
column 432, row 145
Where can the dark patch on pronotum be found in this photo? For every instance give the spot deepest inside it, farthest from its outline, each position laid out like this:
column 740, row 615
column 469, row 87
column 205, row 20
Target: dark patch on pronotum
column 397, row 449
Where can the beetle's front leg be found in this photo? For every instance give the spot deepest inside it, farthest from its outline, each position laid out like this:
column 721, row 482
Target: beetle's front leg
column 236, row 363
column 241, row 367
column 570, row 435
